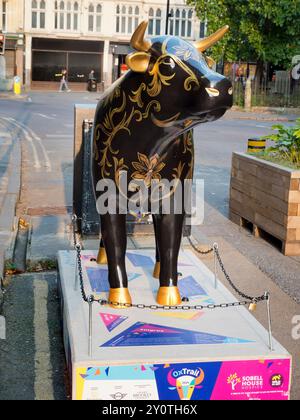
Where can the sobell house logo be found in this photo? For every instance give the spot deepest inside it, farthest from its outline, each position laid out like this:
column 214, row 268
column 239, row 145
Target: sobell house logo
column 246, row 383
column 233, row 380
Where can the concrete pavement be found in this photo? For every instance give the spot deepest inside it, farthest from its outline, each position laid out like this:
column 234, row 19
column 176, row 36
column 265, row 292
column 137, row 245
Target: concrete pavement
column 10, row 176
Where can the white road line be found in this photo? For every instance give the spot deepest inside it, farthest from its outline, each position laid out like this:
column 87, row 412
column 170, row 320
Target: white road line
column 59, row 136
column 35, row 137
column 37, row 164
column 43, row 387
column 45, row 153
column 44, row 116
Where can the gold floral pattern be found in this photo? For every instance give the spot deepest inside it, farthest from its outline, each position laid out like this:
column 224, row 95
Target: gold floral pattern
column 189, row 148
column 148, row 169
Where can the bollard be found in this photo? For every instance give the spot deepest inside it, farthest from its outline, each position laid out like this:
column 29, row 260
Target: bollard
column 256, row 145
column 17, row 85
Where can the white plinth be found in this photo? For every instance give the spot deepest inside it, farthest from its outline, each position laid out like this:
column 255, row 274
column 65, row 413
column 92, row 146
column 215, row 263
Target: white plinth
column 143, row 354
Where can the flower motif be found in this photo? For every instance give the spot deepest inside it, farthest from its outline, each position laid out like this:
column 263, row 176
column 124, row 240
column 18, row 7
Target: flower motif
column 147, row 169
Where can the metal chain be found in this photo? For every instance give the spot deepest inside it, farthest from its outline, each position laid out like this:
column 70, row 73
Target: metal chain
column 195, row 248
column 102, row 302
column 173, row 308
column 253, row 299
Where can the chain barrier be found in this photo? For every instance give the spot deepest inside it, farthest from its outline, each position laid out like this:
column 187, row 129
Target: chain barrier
column 195, row 248
column 249, row 300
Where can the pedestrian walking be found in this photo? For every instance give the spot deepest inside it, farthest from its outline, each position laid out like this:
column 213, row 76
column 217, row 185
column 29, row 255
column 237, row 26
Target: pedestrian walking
column 64, row 82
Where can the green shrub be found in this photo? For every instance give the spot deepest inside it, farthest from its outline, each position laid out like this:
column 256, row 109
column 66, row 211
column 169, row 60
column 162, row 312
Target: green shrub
column 286, row 145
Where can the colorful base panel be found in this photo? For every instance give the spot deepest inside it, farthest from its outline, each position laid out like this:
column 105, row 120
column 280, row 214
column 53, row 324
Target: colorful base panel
column 230, row 380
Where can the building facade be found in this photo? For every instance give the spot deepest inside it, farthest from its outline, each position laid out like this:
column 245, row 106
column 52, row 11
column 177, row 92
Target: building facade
column 81, row 35
column 93, row 34
column 12, row 25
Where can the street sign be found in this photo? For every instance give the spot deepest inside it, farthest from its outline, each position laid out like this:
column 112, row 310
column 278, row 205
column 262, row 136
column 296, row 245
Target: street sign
column 2, row 43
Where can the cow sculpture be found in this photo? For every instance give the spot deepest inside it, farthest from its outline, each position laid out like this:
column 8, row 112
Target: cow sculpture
column 143, row 127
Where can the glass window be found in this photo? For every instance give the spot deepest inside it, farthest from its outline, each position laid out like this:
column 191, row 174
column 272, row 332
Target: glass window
column 127, row 18
column 38, row 17
column 34, row 20
column 42, row 20
column 91, row 23
column 181, row 22
column 202, row 30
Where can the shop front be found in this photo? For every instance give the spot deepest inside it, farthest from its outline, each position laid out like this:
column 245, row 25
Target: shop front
column 119, row 52
column 78, row 57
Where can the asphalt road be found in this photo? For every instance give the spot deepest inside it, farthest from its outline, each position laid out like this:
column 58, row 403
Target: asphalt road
column 45, row 124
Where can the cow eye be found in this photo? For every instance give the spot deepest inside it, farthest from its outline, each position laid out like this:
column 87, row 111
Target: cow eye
column 170, row 62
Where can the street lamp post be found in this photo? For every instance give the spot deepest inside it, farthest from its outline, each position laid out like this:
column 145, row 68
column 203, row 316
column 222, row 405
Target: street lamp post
column 167, row 17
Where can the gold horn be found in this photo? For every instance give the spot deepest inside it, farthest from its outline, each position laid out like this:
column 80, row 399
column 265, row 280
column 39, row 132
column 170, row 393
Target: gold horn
column 138, row 41
column 206, row 43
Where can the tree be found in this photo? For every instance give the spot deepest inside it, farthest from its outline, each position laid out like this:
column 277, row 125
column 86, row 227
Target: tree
column 260, row 30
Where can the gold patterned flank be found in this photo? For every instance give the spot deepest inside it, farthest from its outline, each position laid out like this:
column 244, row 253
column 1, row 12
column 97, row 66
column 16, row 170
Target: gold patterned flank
column 119, row 167
column 137, row 95
column 148, row 169
column 165, row 123
column 189, row 148
column 111, row 126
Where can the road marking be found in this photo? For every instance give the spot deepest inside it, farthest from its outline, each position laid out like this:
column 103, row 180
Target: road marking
column 37, row 164
column 43, row 387
column 30, row 135
column 59, row 136
column 2, row 328
column 261, row 126
column 44, row 116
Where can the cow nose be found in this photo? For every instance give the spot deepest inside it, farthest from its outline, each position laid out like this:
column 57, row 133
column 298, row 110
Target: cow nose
column 224, row 86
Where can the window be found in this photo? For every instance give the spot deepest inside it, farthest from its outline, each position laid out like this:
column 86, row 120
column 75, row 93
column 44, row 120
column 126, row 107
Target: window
column 202, row 29
column 66, row 15
column 127, row 18
column 154, row 27
column 38, row 15
column 94, row 17
column 4, row 15
column 181, row 22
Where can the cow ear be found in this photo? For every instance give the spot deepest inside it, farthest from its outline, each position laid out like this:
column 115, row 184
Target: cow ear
column 210, row 62
column 138, row 61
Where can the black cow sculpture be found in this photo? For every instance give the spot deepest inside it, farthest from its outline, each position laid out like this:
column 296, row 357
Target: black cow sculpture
column 143, row 127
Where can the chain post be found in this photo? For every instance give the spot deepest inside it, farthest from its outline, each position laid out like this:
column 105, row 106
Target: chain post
column 90, row 300
column 267, row 298
column 215, row 248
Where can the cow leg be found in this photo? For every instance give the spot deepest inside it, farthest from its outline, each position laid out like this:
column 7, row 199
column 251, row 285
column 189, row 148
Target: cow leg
column 169, row 233
column 102, row 257
column 113, row 228
column 156, row 270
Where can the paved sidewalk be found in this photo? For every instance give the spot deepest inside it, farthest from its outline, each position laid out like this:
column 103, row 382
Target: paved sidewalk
column 10, row 167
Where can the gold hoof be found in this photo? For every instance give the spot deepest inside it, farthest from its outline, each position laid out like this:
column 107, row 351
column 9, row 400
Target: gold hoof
column 156, row 271
column 102, row 257
column 169, row 296
column 119, row 298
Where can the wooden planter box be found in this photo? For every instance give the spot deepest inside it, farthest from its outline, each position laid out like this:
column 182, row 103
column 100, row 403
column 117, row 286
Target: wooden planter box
column 266, row 196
